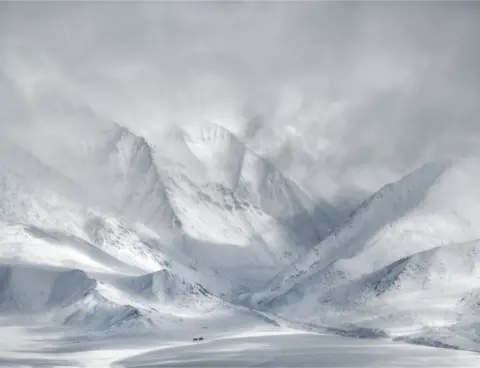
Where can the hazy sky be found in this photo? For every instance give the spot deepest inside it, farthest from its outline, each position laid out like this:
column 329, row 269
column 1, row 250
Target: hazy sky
column 375, row 84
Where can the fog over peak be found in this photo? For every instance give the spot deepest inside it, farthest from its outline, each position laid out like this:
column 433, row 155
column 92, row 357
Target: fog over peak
column 365, row 91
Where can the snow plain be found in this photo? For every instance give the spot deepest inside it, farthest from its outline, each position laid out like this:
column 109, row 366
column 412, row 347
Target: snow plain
column 264, row 347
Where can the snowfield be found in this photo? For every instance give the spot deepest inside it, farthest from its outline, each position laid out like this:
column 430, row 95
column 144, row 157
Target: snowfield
column 42, row 347
column 118, row 252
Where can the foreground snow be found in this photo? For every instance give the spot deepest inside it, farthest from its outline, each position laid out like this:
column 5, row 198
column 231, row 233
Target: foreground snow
column 265, row 347
column 300, row 350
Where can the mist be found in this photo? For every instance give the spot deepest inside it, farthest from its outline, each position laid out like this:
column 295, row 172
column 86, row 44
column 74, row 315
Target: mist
column 344, row 96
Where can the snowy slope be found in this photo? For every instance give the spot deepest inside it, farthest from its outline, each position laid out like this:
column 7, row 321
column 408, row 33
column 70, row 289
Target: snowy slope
column 110, row 254
column 34, row 193
column 165, row 288
column 126, row 166
column 39, row 202
column 70, row 297
column 256, row 180
column 435, row 278
column 102, row 284
column 413, row 240
column 201, row 191
column 430, row 296
column 124, row 235
column 414, row 214
column 238, row 212
column 63, row 297
column 62, row 253
column 49, row 278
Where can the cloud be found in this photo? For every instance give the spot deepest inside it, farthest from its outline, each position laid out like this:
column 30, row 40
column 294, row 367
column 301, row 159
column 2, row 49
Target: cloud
column 374, row 86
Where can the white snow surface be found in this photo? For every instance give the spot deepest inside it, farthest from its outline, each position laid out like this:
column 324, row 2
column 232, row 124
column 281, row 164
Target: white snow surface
column 400, row 266
column 112, row 247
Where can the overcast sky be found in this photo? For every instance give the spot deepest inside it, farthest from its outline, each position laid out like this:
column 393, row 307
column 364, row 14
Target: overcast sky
column 376, row 84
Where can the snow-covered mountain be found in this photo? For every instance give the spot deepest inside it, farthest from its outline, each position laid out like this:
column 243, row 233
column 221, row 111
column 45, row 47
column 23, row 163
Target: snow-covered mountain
column 228, row 163
column 123, row 234
column 61, row 251
column 430, row 295
column 401, row 263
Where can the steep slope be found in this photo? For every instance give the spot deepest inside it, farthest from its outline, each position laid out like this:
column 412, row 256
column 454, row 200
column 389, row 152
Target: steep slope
column 430, row 296
column 127, row 168
column 263, row 184
column 444, row 273
column 304, row 157
column 238, row 171
column 434, row 205
column 219, row 150
column 205, row 226
column 115, row 166
column 50, row 227
column 34, row 193
column 40, row 205
column 20, row 294
column 235, row 208
column 70, row 298
column 28, row 244
column 201, row 191
column 137, row 278
column 165, row 288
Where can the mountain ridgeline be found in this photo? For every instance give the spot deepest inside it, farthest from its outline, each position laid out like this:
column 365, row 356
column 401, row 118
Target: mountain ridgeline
column 116, row 233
